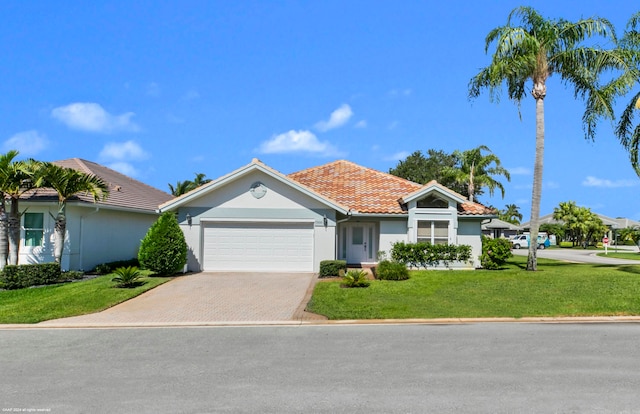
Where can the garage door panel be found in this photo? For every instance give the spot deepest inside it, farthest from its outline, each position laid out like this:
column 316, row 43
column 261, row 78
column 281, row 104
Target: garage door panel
column 258, row 246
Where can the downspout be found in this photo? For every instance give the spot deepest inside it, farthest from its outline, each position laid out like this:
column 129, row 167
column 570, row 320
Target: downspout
column 81, row 249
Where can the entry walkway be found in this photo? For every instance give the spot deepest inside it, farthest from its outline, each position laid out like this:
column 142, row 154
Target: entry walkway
column 203, row 298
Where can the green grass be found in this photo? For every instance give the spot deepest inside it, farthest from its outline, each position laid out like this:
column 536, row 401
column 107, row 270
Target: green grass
column 556, row 289
column 621, row 255
column 39, row 304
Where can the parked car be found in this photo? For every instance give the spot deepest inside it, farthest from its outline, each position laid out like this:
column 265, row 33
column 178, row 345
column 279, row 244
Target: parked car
column 522, row 241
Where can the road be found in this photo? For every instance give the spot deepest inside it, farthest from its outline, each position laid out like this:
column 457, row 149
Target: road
column 579, row 255
column 474, row 368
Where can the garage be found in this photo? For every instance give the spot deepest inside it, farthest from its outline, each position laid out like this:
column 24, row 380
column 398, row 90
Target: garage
column 258, row 246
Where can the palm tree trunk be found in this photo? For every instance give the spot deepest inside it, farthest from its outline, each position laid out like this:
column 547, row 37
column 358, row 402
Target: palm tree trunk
column 60, row 229
column 532, row 261
column 14, row 232
column 4, row 236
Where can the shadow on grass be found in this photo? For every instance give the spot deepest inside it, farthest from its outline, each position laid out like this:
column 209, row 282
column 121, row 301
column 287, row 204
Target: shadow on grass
column 630, row 269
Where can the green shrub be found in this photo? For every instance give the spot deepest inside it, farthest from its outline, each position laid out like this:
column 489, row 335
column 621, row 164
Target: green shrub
column 163, row 250
column 71, row 275
column 355, row 278
column 566, row 244
column 331, row 268
column 127, row 277
column 387, row 270
column 21, row 276
column 106, row 268
column 495, row 252
column 429, row 255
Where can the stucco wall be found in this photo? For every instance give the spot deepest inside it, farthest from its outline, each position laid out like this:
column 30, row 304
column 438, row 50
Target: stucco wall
column 469, row 232
column 391, row 232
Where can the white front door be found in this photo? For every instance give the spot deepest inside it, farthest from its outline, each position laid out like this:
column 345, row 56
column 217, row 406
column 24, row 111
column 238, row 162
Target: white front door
column 360, row 243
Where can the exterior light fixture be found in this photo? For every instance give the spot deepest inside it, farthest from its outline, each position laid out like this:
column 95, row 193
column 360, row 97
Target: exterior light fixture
column 189, row 221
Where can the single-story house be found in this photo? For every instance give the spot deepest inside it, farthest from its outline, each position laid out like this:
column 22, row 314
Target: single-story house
column 258, row 219
column 614, row 224
column 98, row 232
column 496, row 228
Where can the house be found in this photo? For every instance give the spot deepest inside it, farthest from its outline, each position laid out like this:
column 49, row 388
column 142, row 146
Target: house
column 614, row 224
column 496, row 228
column 258, row 219
column 98, row 232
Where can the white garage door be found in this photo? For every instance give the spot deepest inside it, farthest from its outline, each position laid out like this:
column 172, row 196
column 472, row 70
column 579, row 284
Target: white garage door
column 258, row 246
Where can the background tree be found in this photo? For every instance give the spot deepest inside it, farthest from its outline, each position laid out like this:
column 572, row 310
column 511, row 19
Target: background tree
column 183, row 187
column 511, row 214
column 475, row 171
column 5, row 170
column 532, row 48
column 581, row 225
column 164, row 249
column 630, row 234
column 68, row 182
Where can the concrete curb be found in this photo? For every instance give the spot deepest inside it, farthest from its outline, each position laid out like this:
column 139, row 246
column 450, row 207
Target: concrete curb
column 363, row 322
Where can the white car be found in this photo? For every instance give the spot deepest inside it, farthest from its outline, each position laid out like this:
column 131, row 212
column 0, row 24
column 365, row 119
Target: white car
column 522, row 241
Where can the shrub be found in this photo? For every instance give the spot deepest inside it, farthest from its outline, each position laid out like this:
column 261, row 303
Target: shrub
column 163, row 250
column 71, row 275
column 566, row 244
column 387, row 270
column 331, row 268
column 21, row 276
column 127, row 277
column 495, row 252
column 106, row 268
column 355, row 278
column 429, row 255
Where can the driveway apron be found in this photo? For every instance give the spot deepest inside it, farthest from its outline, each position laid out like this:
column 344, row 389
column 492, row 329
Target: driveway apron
column 203, row 298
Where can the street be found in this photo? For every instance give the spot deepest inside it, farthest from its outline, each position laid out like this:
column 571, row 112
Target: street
column 483, row 367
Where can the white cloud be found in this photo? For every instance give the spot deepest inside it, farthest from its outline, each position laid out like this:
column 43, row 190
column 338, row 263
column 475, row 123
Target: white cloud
column 124, row 168
column 401, row 155
column 338, row 118
column 27, row 142
column 591, row 181
column 91, row 117
column 123, row 151
column 296, row 141
column 520, row 171
column 400, row 92
column 361, row 124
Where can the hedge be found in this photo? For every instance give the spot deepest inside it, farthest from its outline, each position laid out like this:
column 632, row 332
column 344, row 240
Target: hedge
column 22, row 276
column 331, row 268
column 423, row 255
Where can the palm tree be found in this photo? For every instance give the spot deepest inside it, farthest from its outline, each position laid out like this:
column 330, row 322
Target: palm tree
column 200, row 180
column 21, row 176
column 5, row 168
column 181, row 187
column 68, row 182
column 511, row 214
column 476, row 170
column 532, row 48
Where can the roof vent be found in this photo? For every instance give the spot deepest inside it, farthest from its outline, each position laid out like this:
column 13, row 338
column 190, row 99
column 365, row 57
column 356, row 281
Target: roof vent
column 118, row 188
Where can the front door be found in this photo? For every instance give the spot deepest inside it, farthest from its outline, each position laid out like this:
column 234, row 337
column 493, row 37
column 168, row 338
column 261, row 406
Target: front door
column 360, row 243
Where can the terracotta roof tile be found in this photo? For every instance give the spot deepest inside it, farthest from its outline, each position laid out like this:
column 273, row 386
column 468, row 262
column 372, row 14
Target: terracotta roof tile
column 124, row 192
column 367, row 190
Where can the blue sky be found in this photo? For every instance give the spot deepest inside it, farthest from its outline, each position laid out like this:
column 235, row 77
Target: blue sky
column 161, row 90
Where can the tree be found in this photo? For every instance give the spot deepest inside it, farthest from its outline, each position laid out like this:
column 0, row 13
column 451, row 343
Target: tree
column 68, row 182
column 475, row 170
column 183, row 187
column 631, row 234
column 5, row 169
column 164, row 249
column 580, row 223
column 511, row 214
column 532, row 48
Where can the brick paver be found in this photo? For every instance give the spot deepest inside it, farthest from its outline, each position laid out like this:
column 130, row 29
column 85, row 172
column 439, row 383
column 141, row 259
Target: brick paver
column 207, row 298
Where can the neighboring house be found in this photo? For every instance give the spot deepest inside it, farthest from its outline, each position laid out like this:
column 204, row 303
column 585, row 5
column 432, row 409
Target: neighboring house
column 99, row 232
column 613, row 224
column 496, row 228
column 257, row 219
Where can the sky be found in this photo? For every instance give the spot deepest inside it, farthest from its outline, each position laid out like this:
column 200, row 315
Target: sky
column 162, row 90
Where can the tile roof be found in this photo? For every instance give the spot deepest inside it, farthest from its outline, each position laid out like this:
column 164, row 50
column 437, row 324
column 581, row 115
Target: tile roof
column 124, row 192
column 367, row 190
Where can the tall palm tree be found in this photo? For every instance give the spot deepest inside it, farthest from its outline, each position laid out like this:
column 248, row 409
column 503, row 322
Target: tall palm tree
column 68, row 182
column 476, row 170
column 511, row 214
column 180, row 188
column 21, row 176
column 200, row 180
column 532, row 48
column 5, row 169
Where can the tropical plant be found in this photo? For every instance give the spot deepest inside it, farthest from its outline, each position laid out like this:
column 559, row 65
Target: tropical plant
column 68, row 182
column 631, row 234
column 476, row 170
column 163, row 249
column 388, row 270
column 5, row 168
column 421, row 169
column 183, row 187
column 495, row 252
column 355, row 278
column 581, row 225
column 127, row 277
column 532, row 48
column 511, row 214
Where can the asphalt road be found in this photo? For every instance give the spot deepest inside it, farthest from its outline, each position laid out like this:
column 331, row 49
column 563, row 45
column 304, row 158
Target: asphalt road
column 578, row 255
column 476, row 368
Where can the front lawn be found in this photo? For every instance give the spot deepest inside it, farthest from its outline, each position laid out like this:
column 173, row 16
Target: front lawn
column 621, row 255
column 556, row 289
column 32, row 305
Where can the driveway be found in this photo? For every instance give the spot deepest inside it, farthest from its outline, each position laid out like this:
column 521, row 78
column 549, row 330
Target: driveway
column 206, row 298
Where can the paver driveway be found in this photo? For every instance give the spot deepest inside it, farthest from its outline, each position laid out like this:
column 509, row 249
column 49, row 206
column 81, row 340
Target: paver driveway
column 204, row 298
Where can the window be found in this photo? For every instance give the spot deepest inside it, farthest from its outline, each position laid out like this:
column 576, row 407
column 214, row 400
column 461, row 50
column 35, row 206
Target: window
column 432, row 202
column 33, row 229
column 434, row 232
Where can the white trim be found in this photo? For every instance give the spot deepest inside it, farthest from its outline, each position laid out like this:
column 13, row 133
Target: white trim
column 253, row 220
